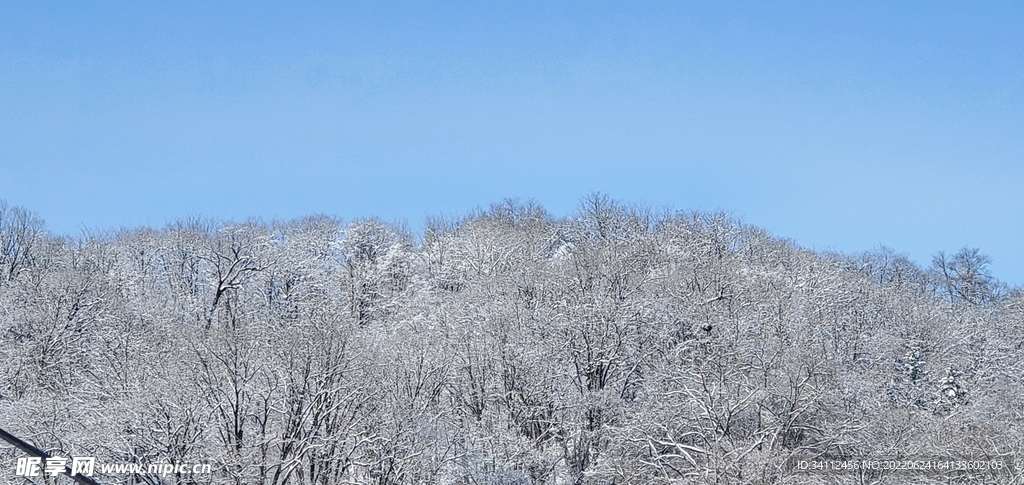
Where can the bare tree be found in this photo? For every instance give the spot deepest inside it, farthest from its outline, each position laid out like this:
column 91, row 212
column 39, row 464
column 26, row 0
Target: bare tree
column 964, row 277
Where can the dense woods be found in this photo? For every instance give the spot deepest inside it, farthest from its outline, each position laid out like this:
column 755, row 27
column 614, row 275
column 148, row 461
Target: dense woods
column 615, row 346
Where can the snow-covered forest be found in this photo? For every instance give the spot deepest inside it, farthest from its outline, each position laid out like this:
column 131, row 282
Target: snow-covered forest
column 618, row 345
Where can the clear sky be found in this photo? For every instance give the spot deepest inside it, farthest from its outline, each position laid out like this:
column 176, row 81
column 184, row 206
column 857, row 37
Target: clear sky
column 840, row 125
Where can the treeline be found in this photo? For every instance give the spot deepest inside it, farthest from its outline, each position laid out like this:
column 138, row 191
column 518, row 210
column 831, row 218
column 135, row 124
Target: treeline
column 615, row 346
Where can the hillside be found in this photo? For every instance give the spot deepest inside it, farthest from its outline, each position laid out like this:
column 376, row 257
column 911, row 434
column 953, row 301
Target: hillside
column 614, row 346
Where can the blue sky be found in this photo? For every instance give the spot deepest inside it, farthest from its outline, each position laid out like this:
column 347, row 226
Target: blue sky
column 841, row 125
